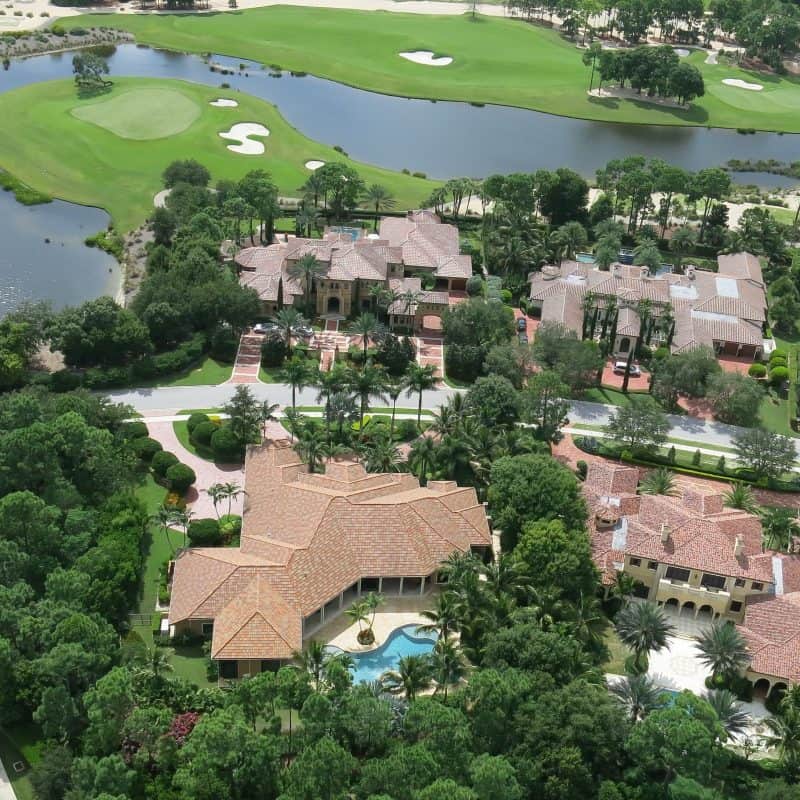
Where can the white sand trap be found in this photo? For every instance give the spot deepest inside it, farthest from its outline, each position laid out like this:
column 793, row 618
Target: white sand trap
column 426, row 58
column 314, row 164
column 160, row 200
column 223, row 103
column 739, row 84
column 681, row 52
column 241, row 132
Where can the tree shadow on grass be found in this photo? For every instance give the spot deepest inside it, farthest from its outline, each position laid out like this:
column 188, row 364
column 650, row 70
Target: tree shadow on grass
column 88, row 91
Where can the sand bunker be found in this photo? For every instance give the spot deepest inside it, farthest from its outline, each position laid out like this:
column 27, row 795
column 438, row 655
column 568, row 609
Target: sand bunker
column 223, row 103
column 241, row 132
column 426, row 58
column 753, row 87
column 314, row 164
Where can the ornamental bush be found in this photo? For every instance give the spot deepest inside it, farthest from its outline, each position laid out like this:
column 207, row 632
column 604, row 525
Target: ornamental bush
column 475, row 286
column 230, row 525
column 204, row 532
column 161, row 462
column 180, row 477
column 778, row 375
column 194, row 420
column 203, row 433
column 226, row 445
column 778, row 352
column 224, row 344
column 778, row 362
column 273, row 352
column 145, row 448
column 133, row 430
column 757, row 371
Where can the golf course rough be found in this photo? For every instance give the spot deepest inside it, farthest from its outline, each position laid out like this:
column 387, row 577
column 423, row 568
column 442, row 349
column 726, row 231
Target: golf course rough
column 110, row 151
column 495, row 60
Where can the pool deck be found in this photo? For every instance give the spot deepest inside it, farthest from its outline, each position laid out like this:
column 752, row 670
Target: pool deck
column 396, row 612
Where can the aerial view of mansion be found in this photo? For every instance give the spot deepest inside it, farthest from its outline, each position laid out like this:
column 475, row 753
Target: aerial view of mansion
column 310, row 545
column 702, row 561
column 724, row 310
column 394, row 259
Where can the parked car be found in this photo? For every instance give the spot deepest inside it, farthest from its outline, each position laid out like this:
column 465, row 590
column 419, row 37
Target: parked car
column 265, row 327
column 620, row 366
column 522, row 324
column 303, row 330
column 523, row 338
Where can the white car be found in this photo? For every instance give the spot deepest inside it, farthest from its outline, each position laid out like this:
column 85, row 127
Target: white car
column 265, row 327
column 620, row 366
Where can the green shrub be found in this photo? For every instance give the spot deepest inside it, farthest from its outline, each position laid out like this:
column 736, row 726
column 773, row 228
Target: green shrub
column 757, row 370
column 204, row 532
column 203, row 433
column 194, row 420
column 405, row 430
column 273, row 352
column 65, row 380
column 696, row 457
column 161, row 462
column 778, row 362
column 226, row 446
column 626, row 455
column 145, row 448
column 505, row 296
column 581, row 468
column 224, row 344
column 230, row 526
column 778, row 375
column 133, row 430
column 721, row 464
column 180, row 477
column 671, row 455
column 778, row 352
column 475, row 286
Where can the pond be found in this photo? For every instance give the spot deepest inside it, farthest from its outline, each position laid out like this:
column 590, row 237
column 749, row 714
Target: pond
column 442, row 139
column 62, row 270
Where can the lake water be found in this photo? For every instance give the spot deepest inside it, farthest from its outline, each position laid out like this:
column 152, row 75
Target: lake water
column 64, row 271
column 441, row 139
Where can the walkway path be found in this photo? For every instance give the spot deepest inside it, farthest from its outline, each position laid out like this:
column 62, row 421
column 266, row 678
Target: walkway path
column 6, row 789
column 248, row 359
column 430, row 350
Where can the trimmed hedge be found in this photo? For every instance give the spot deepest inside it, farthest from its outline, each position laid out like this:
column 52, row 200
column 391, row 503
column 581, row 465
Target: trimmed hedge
column 778, row 352
column 757, row 370
column 145, row 448
column 273, row 352
column 204, row 532
column 203, row 433
column 194, row 420
column 161, row 462
column 180, row 477
column 226, row 446
column 778, row 375
column 133, row 430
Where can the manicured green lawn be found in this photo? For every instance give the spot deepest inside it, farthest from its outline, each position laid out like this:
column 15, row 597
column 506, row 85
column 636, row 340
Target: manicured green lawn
column 494, row 61
column 48, row 147
column 207, row 372
column 617, row 652
column 22, row 742
column 189, row 662
column 610, row 397
column 182, row 432
column 152, row 495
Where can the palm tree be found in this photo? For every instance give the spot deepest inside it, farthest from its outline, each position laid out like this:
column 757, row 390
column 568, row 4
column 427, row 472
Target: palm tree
column 341, row 407
column 682, row 242
column 644, row 628
column 394, row 388
column 778, row 525
column 367, row 326
column 638, row 695
column 359, row 613
column 623, row 586
column 329, row 383
column 723, row 650
column 266, row 415
column 442, row 618
column 381, row 455
column 298, row 375
column 507, row 576
column 287, row 320
column 366, row 384
column 421, row 457
column 740, row 495
column 166, row 516
column 380, row 198
column 232, row 491
column 304, row 219
column 784, row 737
column 733, row 718
column 659, row 481
column 310, row 446
column 647, row 255
column 217, row 493
column 606, row 252
column 448, row 665
column 413, row 675
column 374, row 601
column 306, row 270
column 420, row 379
column 573, row 236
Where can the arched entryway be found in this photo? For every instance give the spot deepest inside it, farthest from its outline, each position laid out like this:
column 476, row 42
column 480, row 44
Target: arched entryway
column 624, row 344
column 333, row 305
column 706, row 613
column 672, row 603
column 688, row 609
column 761, row 689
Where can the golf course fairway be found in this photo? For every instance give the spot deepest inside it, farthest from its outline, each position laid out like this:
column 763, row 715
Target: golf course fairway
column 110, row 150
column 494, row 60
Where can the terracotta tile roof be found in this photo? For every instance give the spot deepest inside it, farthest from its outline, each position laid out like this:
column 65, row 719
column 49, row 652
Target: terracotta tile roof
column 307, row 538
column 741, row 265
column 771, row 628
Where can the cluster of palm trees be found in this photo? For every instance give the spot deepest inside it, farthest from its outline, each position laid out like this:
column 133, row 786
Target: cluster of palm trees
column 171, row 516
column 362, row 612
column 219, row 492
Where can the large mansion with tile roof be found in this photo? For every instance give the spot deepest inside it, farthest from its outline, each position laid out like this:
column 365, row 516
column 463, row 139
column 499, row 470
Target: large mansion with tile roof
column 691, row 554
column 394, row 259
column 310, row 545
column 723, row 310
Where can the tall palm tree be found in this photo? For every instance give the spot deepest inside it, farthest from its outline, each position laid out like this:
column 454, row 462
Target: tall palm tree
column 266, row 415
column 659, row 481
column 310, row 446
column 379, row 198
column 341, row 408
column 288, row 320
column 366, row 384
column 740, row 495
column 442, row 618
column 394, row 388
column 732, row 716
column 647, row 255
column 723, row 649
column 413, row 675
column 778, row 526
column 297, row 374
column 420, row 379
column 644, row 628
column 306, row 270
column 507, row 575
column 329, row 383
column 165, row 516
column 448, row 665
column 623, row 586
column 232, row 491
column 638, row 695
column 182, row 517
column 381, row 455
column 359, row 612
column 682, row 242
column 421, row 457
column 217, row 494
column 784, row 738
column 366, row 326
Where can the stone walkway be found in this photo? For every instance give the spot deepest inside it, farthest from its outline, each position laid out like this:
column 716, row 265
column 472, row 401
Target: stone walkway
column 430, row 350
column 6, row 789
column 248, row 359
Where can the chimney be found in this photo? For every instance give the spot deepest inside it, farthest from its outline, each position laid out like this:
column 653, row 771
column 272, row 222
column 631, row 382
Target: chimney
column 665, row 533
column 738, row 546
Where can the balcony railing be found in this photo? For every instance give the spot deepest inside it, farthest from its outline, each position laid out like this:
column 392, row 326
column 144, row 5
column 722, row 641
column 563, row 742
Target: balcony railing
column 698, row 591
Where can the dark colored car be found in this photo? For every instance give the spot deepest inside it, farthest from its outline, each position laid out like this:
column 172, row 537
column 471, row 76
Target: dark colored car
column 522, row 324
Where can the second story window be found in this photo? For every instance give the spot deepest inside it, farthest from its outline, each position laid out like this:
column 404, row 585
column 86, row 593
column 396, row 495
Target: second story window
column 757, row 587
column 712, row 581
column 677, row 574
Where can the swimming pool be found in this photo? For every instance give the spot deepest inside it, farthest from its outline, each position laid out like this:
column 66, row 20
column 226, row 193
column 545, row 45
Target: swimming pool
column 403, row 641
column 353, row 233
column 584, row 258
